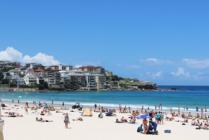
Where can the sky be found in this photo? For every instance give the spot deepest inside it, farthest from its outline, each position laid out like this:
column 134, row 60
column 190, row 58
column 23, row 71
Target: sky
column 164, row 41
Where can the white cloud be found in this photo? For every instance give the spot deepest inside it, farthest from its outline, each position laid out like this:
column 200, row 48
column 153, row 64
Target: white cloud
column 152, row 61
column 155, row 75
column 11, row 54
column 181, row 72
column 78, row 66
column 41, row 58
column 196, row 63
column 155, row 61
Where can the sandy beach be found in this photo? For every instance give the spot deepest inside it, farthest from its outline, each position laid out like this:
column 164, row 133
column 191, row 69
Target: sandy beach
column 94, row 128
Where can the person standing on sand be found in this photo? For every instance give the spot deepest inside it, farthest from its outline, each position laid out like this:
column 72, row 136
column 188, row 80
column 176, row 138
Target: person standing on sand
column 66, row 120
column 120, row 109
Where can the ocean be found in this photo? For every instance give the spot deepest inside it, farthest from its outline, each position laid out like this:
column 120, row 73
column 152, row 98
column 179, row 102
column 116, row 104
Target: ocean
column 184, row 96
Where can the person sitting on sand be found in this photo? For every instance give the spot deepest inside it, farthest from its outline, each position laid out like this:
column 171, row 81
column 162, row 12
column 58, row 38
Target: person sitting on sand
column 123, row 120
column 132, row 120
column 193, row 122
column 39, row 105
column 100, row 115
column 198, row 115
column 190, row 115
column 125, row 109
column 42, row 113
column 133, row 113
column 145, row 126
column 169, row 117
column 109, row 113
column 183, row 115
column 78, row 119
column 185, row 120
column 151, row 114
column 118, row 121
column 205, row 125
column 198, row 124
column 66, row 120
column 137, row 113
column 152, row 128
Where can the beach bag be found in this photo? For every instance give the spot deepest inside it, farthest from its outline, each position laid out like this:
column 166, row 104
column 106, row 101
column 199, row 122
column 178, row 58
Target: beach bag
column 167, row 131
column 140, row 129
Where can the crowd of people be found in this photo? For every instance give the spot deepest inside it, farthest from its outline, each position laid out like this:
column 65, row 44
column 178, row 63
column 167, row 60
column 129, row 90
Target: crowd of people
column 200, row 124
column 150, row 119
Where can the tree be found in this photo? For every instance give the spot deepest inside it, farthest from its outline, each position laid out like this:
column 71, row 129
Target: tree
column 1, row 76
column 13, row 83
column 72, row 84
column 43, row 85
column 116, row 78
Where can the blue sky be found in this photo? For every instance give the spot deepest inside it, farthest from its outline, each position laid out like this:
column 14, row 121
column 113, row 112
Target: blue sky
column 166, row 41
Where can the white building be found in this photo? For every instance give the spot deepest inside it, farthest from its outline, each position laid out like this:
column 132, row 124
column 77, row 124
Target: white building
column 53, row 78
column 87, row 81
column 14, row 77
column 31, row 79
column 65, row 67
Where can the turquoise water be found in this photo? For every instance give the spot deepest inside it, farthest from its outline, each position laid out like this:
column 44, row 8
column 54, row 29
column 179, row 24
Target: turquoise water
column 183, row 98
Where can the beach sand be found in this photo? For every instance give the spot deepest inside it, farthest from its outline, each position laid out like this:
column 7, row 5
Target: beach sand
column 27, row 128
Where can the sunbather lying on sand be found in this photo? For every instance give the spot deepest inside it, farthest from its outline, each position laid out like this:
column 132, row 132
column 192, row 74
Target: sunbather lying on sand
column 59, row 111
column 42, row 120
column 12, row 114
column 205, row 126
column 202, row 125
column 3, row 105
column 78, row 119
column 118, row 121
column 122, row 120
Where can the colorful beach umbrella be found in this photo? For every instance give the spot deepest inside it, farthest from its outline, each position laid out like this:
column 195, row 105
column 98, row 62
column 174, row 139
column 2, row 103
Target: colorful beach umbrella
column 144, row 116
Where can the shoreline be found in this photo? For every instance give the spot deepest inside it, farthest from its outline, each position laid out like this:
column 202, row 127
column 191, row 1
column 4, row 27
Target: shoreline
column 54, row 90
column 32, row 90
column 111, row 106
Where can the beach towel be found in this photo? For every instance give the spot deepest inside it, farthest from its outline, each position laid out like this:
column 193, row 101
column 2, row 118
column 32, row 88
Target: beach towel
column 87, row 112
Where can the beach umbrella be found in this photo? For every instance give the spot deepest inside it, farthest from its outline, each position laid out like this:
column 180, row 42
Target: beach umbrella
column 144, row 116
